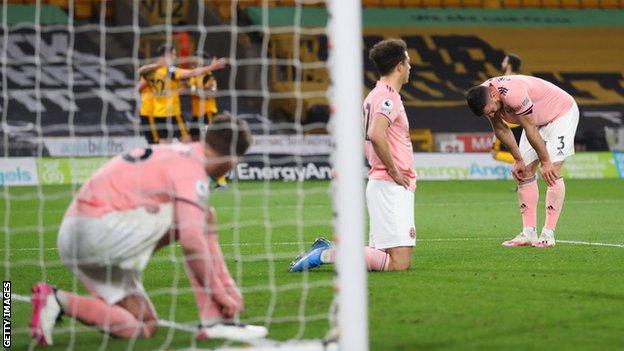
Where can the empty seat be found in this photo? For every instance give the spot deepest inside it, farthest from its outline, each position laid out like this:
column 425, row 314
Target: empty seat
column 570, row 4
column 609, row 4
column 452, row 3
column 83, row 9
column 391, row 3
column 551, row 4
column 510, row 4
column 64, row 4
column 590, row 4
column 432, row 3
column 473, row 3
column 409, row 3
column 532, row 3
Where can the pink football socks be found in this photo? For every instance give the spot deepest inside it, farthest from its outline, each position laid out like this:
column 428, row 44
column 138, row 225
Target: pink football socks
column 554, row 202
column 94, row 311
column 528, row 196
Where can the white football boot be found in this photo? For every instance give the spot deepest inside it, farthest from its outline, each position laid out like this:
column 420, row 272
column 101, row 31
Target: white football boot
column 522, row 239
column 46, row 311
column 545, row 240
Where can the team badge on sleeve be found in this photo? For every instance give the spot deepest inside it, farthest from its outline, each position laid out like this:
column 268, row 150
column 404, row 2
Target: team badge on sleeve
column 201, row 190
column 526, row 101
column 386, row 106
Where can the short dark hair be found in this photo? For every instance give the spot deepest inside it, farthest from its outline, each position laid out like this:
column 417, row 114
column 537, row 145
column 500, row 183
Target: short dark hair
column 514, row 61
column 386, row 54
column 477, row 98
column 228, row 135
column 164, row 48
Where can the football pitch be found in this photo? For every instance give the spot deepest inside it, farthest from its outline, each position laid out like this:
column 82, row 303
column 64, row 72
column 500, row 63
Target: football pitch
column 463, row 292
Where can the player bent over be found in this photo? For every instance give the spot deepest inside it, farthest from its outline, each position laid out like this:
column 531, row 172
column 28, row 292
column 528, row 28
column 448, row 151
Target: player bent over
column 132, row 206
column 391, row 179
column 549, row 117
column 510, row 65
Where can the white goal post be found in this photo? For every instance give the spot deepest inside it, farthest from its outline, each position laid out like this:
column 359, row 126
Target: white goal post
column 346, row 67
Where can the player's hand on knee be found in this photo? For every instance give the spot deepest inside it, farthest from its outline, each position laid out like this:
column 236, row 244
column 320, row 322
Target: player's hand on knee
column 548, row 173
column 518, row 170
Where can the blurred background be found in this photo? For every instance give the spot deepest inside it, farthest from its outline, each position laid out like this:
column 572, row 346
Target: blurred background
column 70, row 67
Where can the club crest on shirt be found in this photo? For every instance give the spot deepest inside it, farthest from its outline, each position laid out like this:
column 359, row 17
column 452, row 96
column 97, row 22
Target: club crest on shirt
column 412, row 233
column 386, row 106
column 201, row 190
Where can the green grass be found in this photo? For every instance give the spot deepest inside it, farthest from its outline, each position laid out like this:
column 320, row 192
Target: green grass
column 464, row 291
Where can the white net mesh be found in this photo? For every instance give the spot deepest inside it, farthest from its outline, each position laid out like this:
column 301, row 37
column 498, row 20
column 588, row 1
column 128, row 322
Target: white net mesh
column 69, row 103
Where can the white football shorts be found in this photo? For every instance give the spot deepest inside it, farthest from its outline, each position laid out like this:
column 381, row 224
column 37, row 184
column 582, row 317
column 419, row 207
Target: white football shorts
column 558, row 135
column 391, row 212
column 108, row 254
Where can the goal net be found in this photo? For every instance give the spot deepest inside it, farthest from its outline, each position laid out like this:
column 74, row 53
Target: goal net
column 70, row 102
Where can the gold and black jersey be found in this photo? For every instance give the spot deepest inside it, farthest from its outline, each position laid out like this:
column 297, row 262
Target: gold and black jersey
column 165, row 85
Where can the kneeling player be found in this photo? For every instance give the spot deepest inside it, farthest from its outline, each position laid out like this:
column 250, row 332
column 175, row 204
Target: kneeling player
column 391, row 179
column 135, row 204
column 549, row 117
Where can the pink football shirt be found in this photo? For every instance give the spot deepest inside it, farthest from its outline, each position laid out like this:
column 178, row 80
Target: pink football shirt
column 525, row 95
column 145, row 178
column 384, row 101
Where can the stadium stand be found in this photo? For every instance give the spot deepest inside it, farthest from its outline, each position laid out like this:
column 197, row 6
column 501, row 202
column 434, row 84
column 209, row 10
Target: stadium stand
column 224, row 7
column 445, row 61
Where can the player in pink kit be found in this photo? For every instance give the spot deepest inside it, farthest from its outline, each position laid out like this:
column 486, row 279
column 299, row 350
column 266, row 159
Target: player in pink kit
column 549, row 117
column 135, row 204
column 391, row 179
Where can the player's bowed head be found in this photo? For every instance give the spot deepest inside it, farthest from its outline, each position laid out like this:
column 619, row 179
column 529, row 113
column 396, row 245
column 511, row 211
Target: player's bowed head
column 225, row 141
column 484, row 101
